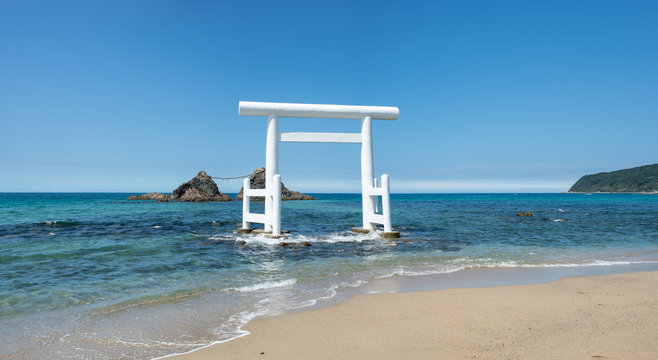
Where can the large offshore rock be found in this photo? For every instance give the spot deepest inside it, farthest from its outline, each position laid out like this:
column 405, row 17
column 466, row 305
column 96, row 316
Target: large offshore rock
column 257, row 181
column 200, row 188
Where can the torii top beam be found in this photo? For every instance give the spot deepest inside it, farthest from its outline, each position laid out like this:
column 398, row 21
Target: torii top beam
column 251, row 108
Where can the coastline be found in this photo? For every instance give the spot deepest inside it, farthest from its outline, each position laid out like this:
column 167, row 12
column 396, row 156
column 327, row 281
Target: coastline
column 613, row 192
column 474, row 303
column 176, row 277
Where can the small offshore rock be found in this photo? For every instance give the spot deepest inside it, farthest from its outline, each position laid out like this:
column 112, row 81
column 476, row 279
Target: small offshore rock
column 524, row 213
column 284, row 244
column 305, row 244
column 240, row 242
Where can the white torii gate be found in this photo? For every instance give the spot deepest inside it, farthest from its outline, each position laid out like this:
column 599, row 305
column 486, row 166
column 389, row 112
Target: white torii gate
column 370, row 190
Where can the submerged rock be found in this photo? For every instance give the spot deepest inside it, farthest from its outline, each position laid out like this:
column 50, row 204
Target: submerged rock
column 257, row 181
column 524, row 213
column 150, row 196
column 200, row 188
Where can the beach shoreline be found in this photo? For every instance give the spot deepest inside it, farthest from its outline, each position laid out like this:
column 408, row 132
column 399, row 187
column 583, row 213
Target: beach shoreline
column 92, row 276
column 389, row 302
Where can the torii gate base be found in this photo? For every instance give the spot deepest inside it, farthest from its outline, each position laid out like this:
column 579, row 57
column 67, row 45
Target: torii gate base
column 370, row 189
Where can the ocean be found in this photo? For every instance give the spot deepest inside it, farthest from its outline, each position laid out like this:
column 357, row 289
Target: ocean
column 94, row 276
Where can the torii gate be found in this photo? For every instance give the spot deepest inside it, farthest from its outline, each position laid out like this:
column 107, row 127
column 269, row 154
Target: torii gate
column 370, row 190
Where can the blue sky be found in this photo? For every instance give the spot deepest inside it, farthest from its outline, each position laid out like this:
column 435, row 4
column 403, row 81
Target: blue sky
column 494, row 96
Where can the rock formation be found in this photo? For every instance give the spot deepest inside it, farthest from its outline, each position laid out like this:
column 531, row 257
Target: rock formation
column 200, row 188
column 150, row 196
column 257, row 181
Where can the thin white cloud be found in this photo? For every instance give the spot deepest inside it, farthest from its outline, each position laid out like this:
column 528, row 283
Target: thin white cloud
column 479, row 186
column 430, row 186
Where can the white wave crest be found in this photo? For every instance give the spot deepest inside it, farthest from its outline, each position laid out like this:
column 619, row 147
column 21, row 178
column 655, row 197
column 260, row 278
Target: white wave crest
column 514, row 264
column 263, row 286
column 330, row 238
column 488, row 263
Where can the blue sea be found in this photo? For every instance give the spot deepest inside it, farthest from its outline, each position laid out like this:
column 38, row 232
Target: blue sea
column 95, row 276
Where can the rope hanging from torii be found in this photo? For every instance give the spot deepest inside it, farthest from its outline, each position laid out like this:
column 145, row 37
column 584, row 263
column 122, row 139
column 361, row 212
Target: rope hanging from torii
column 230, row 179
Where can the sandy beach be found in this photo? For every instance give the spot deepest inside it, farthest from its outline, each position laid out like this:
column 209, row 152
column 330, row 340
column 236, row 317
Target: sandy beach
column 593, row 317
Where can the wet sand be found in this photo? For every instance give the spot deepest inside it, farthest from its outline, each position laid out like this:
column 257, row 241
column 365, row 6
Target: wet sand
column 592, row 317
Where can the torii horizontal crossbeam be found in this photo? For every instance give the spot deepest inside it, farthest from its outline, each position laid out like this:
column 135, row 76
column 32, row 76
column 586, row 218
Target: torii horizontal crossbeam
column 253, row 108
column 321, row 137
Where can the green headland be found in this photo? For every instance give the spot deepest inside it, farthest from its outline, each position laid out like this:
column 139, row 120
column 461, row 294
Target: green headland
column 641, row 179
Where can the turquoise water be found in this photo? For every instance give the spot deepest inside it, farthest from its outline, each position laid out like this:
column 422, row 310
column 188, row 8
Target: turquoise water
column 95, row 276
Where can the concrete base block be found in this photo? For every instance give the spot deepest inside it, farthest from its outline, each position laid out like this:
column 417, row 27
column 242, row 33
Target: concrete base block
column 244, row 230
column 360, row 230
column 270, row 236
column 390, row 234
column 261, row 231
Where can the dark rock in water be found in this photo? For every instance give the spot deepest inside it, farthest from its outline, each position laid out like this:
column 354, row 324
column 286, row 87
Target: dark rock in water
column 150, row 196
column 305, row 244
column 524, row 213
column 284, row 244
column 257, row 181
column 200, row 188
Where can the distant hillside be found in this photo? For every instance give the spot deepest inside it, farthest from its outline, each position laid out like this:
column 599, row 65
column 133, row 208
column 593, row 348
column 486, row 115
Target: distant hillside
column 637, row 179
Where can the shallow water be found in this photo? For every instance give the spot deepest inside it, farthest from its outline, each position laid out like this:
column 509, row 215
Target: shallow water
column 95, row 276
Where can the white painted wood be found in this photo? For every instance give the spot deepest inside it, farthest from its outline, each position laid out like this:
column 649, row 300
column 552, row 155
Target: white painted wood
column 376, row 199
column 276, row 206
column 386, row 204
column 245, row 203
column 321, row 137
column 255, row 192
column 257, row 218
column 375, row 191
column 271, row 163
column 272, row 192
column 252, row 108
column 375, row 219
column 367, row 171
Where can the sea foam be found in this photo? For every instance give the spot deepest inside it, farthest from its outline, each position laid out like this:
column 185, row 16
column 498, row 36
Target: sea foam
column 263, row 286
